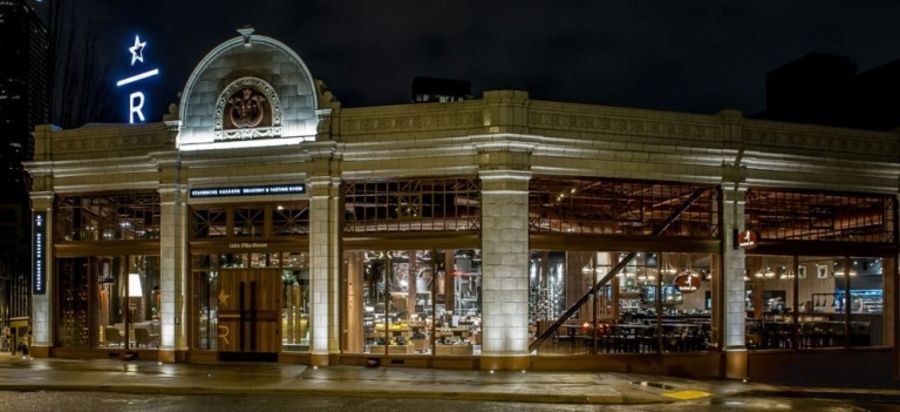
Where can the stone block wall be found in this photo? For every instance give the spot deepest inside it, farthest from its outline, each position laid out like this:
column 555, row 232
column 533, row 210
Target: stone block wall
column 504, row 210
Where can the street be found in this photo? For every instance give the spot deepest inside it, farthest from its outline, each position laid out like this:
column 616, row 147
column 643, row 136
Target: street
column 98, row 402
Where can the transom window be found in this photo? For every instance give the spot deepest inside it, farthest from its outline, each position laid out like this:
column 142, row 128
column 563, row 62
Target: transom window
column 822, row 216
column 412, row 205
column 114, row 216
column 615, row 207
column 261, row 220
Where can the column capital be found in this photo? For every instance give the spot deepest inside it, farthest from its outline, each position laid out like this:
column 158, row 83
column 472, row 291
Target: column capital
column 504, row 155
column 323, row 185
column 498, row 181
column 734, row 191
column 42, row 200
column 169, row 193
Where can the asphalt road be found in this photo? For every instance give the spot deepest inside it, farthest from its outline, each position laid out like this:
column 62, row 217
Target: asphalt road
column 99, row 402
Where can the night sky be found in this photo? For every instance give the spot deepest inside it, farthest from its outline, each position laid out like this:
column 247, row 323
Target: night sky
column 696, row 56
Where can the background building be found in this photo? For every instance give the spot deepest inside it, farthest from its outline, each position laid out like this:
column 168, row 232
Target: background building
column 24, row 94
column 827, row 89
column 432, row 89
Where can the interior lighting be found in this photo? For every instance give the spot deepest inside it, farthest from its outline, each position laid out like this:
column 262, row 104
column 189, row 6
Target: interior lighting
column 134, row 285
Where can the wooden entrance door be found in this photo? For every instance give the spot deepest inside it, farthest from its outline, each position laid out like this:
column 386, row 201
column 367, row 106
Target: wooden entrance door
column 249, row 310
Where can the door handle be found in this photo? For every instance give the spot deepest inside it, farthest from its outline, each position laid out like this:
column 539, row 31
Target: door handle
column 253, row 316
column 242, row 315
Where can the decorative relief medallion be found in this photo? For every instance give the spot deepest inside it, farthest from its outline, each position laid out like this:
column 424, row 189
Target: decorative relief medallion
column 248, row 109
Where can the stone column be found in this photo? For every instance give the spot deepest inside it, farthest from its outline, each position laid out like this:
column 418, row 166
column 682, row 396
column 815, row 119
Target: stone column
column 173, row 276
column 43, row 306
column 733, row 277
column 504, row 242
column 324, row 264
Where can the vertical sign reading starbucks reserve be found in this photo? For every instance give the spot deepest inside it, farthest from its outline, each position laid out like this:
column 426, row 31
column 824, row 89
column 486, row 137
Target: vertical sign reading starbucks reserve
column 39, row 231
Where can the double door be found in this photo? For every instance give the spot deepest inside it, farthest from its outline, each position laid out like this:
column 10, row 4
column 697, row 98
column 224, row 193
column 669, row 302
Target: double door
column 249, row 314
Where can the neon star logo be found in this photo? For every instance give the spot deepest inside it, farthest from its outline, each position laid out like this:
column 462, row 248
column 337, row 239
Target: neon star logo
column 136, row 99
column 137, row 51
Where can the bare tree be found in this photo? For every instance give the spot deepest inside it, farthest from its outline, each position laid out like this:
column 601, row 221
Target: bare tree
column 80, row 90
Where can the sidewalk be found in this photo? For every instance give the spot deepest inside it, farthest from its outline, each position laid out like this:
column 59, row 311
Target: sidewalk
column 102, row 375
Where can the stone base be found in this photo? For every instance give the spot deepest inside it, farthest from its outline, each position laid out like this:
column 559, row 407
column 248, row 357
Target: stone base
column 173, row 356
column 39, row 351
column 319, row 359
column 736, row 364
column 506, row 363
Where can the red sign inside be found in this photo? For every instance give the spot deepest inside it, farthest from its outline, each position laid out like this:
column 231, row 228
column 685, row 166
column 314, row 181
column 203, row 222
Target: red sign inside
column 747, row 239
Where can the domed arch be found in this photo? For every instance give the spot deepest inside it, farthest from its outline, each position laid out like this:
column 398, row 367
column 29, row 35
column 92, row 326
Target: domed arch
column 249, row 56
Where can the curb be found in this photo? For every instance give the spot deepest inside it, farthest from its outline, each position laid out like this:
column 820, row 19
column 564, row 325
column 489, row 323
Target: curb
column 834, row 394
column 362, row 393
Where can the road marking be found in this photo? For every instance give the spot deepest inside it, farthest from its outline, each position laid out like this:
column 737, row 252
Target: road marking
column 687, row 395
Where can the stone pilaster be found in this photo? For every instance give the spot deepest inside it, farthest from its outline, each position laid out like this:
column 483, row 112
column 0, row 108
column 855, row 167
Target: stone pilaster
column 733, row 276
column 42, row 306
column 324, row 264
column 505, row 111
column 173, row 277
column 504, row 242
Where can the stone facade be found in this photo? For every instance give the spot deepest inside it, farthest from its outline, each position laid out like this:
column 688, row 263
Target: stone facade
column 504, row 138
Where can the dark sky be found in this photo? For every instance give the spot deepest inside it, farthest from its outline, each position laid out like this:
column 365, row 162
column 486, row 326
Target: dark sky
column 696, row 56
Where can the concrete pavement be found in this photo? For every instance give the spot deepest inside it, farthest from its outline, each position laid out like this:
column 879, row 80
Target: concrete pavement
column 112, row 375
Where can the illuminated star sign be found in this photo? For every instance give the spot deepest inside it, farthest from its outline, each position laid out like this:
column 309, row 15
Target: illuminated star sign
column 137, row 51
column 136, row 99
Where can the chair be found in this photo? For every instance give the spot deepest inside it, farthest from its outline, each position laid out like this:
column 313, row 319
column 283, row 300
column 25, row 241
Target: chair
column 113, row 337
column 144, row 339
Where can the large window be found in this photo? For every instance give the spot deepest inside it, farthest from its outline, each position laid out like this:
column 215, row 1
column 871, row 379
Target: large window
column 807, row 302
column 412, row 205
column 414, row 302
column 800, row 300
column 109, row 302
column 658, row 302
column 117, row 216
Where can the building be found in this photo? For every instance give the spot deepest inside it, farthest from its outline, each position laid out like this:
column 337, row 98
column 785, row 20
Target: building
column 827, row 90
column 264, row 221
column 432, row 89
column 24, row 103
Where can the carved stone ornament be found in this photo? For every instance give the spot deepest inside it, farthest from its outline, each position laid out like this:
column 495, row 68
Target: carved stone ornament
column 248, row 109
